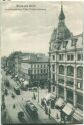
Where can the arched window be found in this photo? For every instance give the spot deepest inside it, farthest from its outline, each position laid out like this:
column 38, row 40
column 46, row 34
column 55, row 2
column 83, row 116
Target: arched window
column 80, row 72
column 70, row 71
column 61, row 69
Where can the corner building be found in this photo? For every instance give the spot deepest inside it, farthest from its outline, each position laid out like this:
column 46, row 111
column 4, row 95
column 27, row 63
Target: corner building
column 66, row 63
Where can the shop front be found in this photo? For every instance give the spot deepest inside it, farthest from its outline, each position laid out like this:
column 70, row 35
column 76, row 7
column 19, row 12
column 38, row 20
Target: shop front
column 78, row 116
column 60, row 103
column 67, row 112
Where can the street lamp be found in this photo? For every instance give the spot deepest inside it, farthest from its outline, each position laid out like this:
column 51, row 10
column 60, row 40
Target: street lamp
column 38, row 91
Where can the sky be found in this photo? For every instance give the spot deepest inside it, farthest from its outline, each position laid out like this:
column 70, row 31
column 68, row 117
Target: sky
column 30, row 30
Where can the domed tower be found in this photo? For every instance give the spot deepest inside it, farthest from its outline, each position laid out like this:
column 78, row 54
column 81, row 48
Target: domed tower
column 61, row 33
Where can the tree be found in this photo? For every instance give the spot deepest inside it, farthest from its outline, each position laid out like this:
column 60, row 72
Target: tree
column 11, row 60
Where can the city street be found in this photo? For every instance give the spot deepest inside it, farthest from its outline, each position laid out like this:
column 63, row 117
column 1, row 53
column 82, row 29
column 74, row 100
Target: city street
column 19, row 102
column 42, row 63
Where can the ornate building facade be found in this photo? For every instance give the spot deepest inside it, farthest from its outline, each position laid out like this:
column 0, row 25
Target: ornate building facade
column 66, row 63
column 35, row 68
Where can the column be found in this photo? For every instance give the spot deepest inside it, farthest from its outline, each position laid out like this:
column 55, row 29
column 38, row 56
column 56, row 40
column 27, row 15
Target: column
column 57, row 91
column 57, row 86
column 75, row 82
column 65, row 74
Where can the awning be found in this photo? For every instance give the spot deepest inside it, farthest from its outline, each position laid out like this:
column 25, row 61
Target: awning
column 17, row 87
column 16, row 76
column 78, row 114
column 20, row 79
column 50, row 96
column 53, row 96
column 59, row 102
column 26, row 83
column 68, row 109
column 23, row 80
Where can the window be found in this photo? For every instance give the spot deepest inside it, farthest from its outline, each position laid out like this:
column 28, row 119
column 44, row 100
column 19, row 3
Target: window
column 35, row 71
column 44, row 66
column 53, row 88
column 41, row 66
column 41, row 71
column 78, row 85
column 68, row 57
column 61, row 57
column 70, row 71
column 44, row 70
column 65, row 44
column 80, row 72
column 61, row 69
column 53, row 77
column 38, row 71
column 53, row 67
column 79, row 57
column 61, row 81
column 70, row 83
column 74, row 40
column 72, row 57
column 47, row 70
column 53, row 57
column 61, row 91
column 70, row 96
column 34, row 65
column 80, row 99
column 38, row 66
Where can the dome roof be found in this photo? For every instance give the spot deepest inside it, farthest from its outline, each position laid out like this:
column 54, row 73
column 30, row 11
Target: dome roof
column 53, row 36
column 61, row 32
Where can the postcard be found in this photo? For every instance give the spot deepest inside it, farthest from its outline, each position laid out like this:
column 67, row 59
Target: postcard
column 41, row 62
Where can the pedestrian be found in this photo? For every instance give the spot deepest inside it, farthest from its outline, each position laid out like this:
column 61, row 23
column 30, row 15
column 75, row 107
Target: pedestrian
column 49, row 112
column 46, row 109
column 41, row 102
column 34, row 96
column 56, row 115
column 14, row 106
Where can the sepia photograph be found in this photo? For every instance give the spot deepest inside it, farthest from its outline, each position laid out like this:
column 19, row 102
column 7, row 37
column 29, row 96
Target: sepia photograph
column 41, row 62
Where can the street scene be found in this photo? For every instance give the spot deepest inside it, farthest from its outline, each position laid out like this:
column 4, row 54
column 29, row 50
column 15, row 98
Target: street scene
column 39, row 87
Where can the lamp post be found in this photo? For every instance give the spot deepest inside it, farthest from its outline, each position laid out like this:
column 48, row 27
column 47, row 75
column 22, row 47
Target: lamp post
column 38, row 92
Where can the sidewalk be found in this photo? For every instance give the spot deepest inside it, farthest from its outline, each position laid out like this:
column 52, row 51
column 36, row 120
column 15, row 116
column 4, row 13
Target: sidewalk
column 44, row 118
column 54, row 112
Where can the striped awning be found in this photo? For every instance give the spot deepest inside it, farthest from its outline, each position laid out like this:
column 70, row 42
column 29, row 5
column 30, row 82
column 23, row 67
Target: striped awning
column 26, row 82
column 59, row 102
column 68, row 109
column 78, row 114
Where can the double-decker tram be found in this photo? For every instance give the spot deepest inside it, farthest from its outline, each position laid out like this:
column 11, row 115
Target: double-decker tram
column 32, row 110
